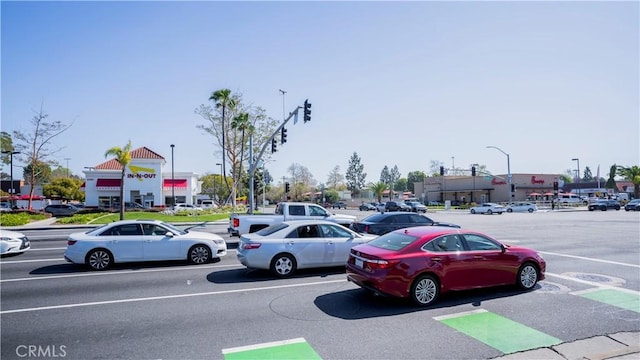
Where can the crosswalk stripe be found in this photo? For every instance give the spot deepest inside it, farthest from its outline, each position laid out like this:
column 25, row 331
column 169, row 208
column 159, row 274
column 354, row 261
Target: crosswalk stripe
column 293, row 349
column 498, row 332
column 621, row 299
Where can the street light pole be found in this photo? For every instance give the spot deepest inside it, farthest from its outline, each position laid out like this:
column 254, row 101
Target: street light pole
column 11, row 153
column 173, row 181
column 508, row 171
column 67, row 165
column 214, row 182
column 578, row 161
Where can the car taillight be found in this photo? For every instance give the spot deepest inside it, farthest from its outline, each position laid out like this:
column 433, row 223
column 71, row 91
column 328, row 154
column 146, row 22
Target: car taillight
column 71, row 242
column 236, row 222
column 376, row 264
column 250, row 246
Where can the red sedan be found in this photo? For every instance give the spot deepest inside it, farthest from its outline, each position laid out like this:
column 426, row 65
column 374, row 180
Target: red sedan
column 423, row 262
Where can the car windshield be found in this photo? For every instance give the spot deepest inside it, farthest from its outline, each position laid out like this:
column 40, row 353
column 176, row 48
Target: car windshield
column 375, row 218
column 173, row 228
column 393, row 241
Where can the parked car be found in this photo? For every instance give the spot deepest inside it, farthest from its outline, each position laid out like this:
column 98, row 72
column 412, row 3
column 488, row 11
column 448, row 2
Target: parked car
column 61, row 209
column 379, row 224
column 186, row 207
column 434, row 203
column 339, row 205
column 13, row 242
column 133, row 205
column 141, row 240
column 396, row 206
column 367, row 207
column 633, row 205
column 416, row 206
column 604, row 205
column 381, row 206
column 5, row 206
column 522, row 207
column 288, row 246
column 423, row 262
column 488, row 208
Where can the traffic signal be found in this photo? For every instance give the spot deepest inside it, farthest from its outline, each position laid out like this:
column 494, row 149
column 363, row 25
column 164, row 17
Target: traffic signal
column 441, row 170
column 256, row 183
column 286, row 187
column 274, row 145
column 307, row 111
column 473, row 171
column 555, row 186
column 513, row 187
column 283, row 136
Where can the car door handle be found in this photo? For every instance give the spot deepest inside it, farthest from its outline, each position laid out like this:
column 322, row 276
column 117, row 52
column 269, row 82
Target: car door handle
column 436, row 259
column 330, row 242
column 478, row 257
column 148, row 241
column 290, row 243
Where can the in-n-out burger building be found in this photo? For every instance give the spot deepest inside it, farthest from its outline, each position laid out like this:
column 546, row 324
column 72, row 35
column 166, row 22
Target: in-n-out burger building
column 146, row 182
column 481, row 189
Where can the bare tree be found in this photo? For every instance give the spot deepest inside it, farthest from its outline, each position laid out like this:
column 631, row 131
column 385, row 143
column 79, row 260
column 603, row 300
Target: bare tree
column 335, row 179
column 36, row 146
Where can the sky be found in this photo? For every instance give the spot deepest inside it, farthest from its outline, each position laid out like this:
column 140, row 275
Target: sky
column 399, row 83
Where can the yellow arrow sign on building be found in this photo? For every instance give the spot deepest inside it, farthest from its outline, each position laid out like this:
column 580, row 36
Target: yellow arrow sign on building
column 138, row 169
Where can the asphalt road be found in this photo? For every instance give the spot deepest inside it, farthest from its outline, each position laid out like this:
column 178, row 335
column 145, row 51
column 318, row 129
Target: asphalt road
column 144, row 311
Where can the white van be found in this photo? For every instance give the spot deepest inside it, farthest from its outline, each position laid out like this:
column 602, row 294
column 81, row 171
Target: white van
column 570, row 198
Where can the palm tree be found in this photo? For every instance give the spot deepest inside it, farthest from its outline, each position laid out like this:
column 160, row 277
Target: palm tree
column 378, row 188
column 241, row 122
column 123, row 157
column 224, row 100
column 632, row 174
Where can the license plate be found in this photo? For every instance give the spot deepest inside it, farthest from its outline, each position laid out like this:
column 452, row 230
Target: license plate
column 359, row 263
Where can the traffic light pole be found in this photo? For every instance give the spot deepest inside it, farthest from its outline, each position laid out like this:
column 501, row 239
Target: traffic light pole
column 252, row 163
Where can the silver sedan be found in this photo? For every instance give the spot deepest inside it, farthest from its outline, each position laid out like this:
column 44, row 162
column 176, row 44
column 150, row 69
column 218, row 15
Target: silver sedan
column 285, row 247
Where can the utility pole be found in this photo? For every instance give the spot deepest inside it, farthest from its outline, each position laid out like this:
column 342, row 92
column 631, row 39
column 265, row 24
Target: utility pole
column 67, row 165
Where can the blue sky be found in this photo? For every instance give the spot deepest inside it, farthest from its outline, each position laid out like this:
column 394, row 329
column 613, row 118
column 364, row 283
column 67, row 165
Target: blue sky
column 399, row 83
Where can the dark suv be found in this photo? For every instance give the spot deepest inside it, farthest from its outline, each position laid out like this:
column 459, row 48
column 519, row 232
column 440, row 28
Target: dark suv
column 339, row 205
column 61, row 209
column 396, row 206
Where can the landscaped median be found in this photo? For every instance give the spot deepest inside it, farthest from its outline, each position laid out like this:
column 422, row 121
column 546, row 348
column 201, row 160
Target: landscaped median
column 18, row 218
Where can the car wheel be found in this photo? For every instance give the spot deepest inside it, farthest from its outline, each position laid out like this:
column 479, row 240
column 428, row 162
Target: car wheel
column 283, row 265
column 489, row 212
column 99, row 259
column 199, row 254
column 530, row 210
column 425, row 290
column 527, row 276
column 473, row 211
column 509, row 210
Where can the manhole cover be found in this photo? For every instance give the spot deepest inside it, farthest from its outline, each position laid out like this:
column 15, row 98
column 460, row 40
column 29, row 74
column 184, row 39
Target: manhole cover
column 552, row 288
column 597, row 278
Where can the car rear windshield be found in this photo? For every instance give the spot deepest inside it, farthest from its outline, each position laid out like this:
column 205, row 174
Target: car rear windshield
column 393, row 241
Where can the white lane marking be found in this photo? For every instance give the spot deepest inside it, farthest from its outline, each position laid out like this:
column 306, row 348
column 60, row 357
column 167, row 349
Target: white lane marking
column 2, row 262
column 30, row 261
column 590, row 259
column 123, row 272
column 179, row 296
column 592, row 283
column 263, row 345
column 456, row 315
column 48, row 249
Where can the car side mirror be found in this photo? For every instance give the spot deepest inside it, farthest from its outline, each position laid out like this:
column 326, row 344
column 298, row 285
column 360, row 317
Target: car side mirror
column 168, row 234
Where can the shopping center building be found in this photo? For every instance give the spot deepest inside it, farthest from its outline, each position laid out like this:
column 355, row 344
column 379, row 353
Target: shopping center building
column 479, row 189
column 146, row 182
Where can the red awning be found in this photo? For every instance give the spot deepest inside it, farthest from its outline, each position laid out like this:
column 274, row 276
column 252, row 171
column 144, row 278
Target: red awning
column 26, row 197
column 108, row 183
column 179, row 183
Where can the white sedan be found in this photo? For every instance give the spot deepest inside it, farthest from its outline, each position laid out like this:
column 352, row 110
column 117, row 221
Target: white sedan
column 488, row 208
column 13, row 242
column 141, row 240
column 285, row 247
column 522, row 207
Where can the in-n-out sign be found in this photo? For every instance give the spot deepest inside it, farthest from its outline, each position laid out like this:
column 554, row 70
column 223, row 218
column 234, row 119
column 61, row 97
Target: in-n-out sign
column 147, row 173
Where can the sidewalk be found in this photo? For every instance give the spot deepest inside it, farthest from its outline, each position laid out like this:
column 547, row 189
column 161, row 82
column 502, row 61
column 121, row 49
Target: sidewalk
column 618, row 346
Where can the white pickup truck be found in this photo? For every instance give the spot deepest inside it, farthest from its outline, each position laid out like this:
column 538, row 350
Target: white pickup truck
column 246, row 223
